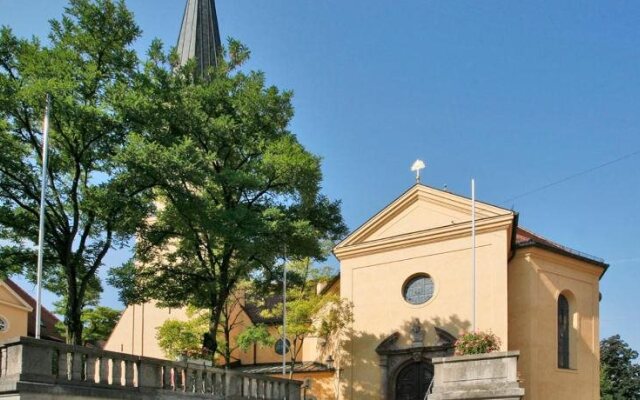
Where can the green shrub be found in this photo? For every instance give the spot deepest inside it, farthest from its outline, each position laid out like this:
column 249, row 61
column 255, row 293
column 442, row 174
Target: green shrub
column 477, row 343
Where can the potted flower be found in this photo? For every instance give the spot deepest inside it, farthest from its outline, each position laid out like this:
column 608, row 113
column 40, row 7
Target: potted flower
column 477, row 343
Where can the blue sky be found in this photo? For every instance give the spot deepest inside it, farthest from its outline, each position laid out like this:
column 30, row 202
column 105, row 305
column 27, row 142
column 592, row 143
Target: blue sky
column 517, row 95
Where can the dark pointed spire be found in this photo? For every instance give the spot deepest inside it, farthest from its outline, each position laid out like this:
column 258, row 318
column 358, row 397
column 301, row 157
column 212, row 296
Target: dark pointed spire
column 199, row 35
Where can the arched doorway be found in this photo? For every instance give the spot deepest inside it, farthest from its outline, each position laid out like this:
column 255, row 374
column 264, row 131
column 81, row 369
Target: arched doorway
column 413, row 380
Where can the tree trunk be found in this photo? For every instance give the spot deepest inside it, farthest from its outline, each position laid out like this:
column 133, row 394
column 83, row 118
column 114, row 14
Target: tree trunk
column 211, row 339
column 227, row 350
column 73, row 321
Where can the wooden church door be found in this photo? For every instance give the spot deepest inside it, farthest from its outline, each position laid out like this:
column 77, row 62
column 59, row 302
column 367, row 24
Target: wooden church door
column 413, row 381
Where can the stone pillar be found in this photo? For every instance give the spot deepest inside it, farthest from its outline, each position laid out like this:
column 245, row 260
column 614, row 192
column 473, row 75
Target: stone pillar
column 384, row 376
column 149, row 374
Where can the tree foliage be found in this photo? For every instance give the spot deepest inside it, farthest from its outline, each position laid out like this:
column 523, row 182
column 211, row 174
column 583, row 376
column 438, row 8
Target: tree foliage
column 619, row 373
column 309, row 312
column 92, row 204
column 233, row 184
column 98, row 323
column 255, row 335
column 183, row 338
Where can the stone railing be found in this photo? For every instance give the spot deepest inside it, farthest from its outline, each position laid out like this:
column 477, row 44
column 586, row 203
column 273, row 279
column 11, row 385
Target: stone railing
column 480, row 376
column 28, row 364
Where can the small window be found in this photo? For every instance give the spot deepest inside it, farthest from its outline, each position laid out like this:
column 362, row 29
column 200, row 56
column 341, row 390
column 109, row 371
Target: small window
column 280, row 348
column 418, row 289
column 4, row 325
column 563, row 332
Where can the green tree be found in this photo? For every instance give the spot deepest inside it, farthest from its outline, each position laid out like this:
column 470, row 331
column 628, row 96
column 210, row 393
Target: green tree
column 98, row 323
column 233, row 184
column 92, row 205
column 310, row 313
column 183, row 338
column 255, row 335
column 619, row 374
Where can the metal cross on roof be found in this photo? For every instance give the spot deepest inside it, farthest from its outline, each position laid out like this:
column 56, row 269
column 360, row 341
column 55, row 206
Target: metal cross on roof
column 416, row 167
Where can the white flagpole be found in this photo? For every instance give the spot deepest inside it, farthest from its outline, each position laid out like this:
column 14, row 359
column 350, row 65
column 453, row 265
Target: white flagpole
column 284, row 315
column 45, row 157
column 473, row 247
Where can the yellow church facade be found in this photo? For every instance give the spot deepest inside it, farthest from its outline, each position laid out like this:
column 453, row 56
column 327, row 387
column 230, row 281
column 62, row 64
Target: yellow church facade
column 409, row 274
column 425, row 235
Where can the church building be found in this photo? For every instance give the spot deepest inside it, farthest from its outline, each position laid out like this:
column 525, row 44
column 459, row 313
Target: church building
column 409, row 274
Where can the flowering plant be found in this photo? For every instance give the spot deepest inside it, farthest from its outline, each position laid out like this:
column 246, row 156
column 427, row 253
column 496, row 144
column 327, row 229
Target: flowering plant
column 477, row 343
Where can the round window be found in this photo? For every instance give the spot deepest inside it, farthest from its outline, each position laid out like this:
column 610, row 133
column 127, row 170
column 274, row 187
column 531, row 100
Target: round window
column 280, row 348
column 3, row 325
column 418, row 289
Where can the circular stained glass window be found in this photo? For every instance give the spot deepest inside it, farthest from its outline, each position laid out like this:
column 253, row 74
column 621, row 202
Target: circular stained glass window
column 280, row 349
column 418, row 289
column 3, row 324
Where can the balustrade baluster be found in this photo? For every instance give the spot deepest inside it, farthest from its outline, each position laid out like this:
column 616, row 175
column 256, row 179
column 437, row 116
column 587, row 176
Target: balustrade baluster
column 198, row 382
column 116, row 372
column 178, row 379
column 103, row 374
column 77, row 366
column 188, row 381
column 128, row 373
column 167, row 377
column 90, row 371
column 63, row 370
column 3, row 362
column 207, row 381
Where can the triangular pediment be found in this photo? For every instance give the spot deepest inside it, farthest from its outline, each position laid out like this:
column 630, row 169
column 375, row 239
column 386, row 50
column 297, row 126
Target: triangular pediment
column 420, row 209
column 11, row 298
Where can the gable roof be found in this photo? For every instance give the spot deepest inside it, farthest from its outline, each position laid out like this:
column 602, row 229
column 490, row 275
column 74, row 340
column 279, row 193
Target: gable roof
column 525, row 238
column 48, row 329
column 420, row 212
column 254, row 310
column 19, row 301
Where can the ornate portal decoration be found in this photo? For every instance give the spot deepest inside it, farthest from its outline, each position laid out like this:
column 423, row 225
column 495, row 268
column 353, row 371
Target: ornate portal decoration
column 395, row 360
column 417, row 333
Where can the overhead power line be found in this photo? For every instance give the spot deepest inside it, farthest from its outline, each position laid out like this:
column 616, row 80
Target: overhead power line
column 577, row 174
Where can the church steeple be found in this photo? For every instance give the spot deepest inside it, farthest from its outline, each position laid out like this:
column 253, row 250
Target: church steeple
column 199, row 35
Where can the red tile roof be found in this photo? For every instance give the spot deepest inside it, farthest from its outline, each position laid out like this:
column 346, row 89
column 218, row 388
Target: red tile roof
column 254, row 310
column 47, row 330
column 526, row 238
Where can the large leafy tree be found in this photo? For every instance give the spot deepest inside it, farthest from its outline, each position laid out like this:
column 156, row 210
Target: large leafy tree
column 233, row 185
column 619, row 373
column 92, row 205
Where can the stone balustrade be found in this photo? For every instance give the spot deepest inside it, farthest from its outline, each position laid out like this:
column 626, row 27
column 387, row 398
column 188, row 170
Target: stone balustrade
column 29, row 366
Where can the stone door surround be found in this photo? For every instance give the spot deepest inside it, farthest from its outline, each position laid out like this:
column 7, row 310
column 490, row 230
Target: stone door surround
column 394, row 358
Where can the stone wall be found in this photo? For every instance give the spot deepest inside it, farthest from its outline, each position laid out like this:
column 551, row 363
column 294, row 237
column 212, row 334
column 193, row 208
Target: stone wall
column 482, row 376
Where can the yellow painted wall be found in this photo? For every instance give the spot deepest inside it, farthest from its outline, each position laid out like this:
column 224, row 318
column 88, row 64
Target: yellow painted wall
column 374, row 284
column 14, row 312
column 536, row 279
column 135, row 332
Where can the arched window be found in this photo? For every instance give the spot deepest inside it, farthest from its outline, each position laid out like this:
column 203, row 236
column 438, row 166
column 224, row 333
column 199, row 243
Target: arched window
column 563, row 332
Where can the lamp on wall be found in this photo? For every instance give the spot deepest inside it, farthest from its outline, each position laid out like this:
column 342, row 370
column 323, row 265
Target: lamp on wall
column 329, row 362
